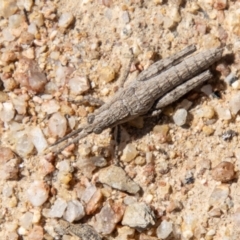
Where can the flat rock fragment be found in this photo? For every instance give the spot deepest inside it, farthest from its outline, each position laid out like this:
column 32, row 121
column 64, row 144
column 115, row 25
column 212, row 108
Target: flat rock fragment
column 94, row 202
column 30, row 75
column 138, row 215
column 83, row 231
column 106, row 220
column 58, row 208
column 117, row 178
column 219, row 196
column 74, row 211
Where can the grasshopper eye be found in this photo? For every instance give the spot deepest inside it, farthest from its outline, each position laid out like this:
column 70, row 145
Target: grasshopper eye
column 97, row 130
column 90, row 119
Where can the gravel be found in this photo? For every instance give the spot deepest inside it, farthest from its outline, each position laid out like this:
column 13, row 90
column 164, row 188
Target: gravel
column 55, row 51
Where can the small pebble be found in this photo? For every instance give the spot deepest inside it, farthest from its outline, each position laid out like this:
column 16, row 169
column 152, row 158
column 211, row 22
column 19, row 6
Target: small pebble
column 55, row 55
column 140, row 160
column 220, row 4
column 168, row 23
column 7, row 111
column 9, row 164
column 207, row 89
column 50, row 106
column 231, row 78
column 124, row 233
column 8, row 8
column 180, row 117
column 99, row 161
column 58, row 208
column 228, row 135
column 207, row 130
column 186, row 104
column 234, row 103
column 30, row 75
column 161, row 132
column 236, row 85
column 129, row 153
column 26, row 4
column 164, row 189
column 32, row 28
column 107, row 219
column 174, row 206
column 173, row 13
column 232, row 21
column 94, row 203
column 126, row 32
column 22, row 231
column 219, row 196
column 74, row 211
column 26, row 220
column 210, row 233
column 8, row 57
column 206, row 112
column 3, row 96
column 66, row 20
column 38, row 139
column 223, row 172
column 215, row 212
column 88, row 193
column 24, row 145
column 7, row 191
column 188, row 178
column 15, row 20
column 223, row 69
column 36, row 233
column 64, row 177
column 164, row 229
column 7, row 34
column 37, row 193
column 125, row 17
column 78, row 85
column 20, row 104
column 86, row 166
column 223, row 113
column 107, row 74
column 57, row 125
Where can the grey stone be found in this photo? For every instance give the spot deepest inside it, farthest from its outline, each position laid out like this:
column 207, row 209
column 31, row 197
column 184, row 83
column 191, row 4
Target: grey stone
column 138, row 215
column 117, row 178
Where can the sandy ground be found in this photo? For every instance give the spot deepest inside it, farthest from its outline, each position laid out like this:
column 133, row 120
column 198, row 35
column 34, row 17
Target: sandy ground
column 87, row 52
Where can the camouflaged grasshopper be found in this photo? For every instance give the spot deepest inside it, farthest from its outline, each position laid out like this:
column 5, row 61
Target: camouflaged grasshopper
column 156, row 87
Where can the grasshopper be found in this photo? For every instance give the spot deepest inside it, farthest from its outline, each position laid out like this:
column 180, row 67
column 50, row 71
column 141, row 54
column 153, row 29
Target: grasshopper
column 161, row 84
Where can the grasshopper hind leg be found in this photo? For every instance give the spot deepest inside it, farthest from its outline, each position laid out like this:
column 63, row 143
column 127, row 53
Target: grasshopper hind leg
column 182, row 89
column 177, row 93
